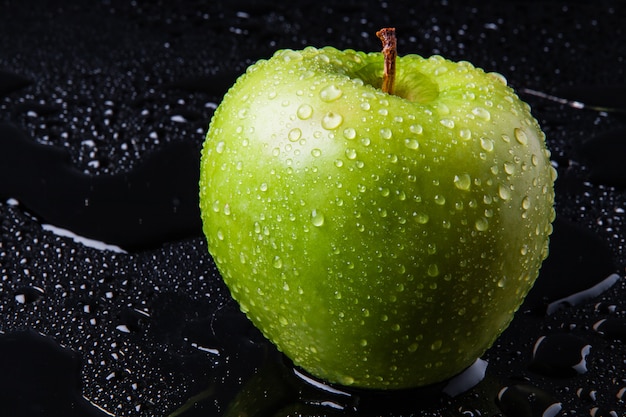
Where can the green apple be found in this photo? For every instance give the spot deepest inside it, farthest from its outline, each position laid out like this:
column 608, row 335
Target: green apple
column 378, row 240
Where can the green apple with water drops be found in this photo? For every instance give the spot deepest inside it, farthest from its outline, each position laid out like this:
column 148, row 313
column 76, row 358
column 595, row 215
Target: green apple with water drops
column 378, row 239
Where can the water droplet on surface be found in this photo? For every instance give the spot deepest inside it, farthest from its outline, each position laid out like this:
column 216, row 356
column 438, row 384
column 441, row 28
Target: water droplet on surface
column 520, row 135
column 316, row 152
column 526, row 203
column 219, row 147
column 504, row 192
column 411, row 143
column 386, row 133
column 330, row 93
column 433, row 270
column 509, row 168
column 331, row 120
column 482, row 113
column 278, row 262
column 294, row 134
column 486, row 144
column 317, row 218
column 421, row 218
column 304, row 112
column 449, row 123
column 349, row 133
column 351, row 153
column 481, row 224
column 436, row 345
column 263, row 186
column 465, row 134
column 417, row 129
column 462, row 182
column 440, row 200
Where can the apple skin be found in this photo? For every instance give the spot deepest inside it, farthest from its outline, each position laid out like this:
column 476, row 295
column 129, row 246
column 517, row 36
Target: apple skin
column 380, row 241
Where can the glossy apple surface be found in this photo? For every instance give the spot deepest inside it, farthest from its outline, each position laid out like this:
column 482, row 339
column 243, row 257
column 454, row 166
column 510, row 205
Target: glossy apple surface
column 380, row 241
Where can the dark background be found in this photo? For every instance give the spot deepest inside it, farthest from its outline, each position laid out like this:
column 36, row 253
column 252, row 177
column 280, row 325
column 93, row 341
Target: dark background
column 103, row 110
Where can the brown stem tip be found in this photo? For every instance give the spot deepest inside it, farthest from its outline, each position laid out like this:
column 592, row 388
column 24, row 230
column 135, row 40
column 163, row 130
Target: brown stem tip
column 390, row 52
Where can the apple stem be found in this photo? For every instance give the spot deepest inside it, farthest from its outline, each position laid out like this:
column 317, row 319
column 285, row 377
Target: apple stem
column 390, row 52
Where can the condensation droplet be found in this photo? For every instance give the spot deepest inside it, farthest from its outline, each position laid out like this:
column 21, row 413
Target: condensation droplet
column 349, row 133
column 263, row 186
column 504, row 192
column 520, row 135
column 351, row 153
column 526, row 203
column 304, row 112
column 316, row 152
column 331, row 120
column 417, row 129
column 386, row 133
column 465, row 134
column 219, row 148
column 482, row 113
column 462, row 182
column 440, row 200
column 294, row 134
column 330, row 93
column 481, row 224
column 486, row 144
column 317, row 218
column 411, row 143
column 436, row 345
column 278, row 262
column 433, row 270
column 449, row 123
column 509, row 168
column 421, row 218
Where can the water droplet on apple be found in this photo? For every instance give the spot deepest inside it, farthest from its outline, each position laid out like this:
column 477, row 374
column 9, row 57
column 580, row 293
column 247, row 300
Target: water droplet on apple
column 349, row 133
column 386, row 133
column 462, row 182
column 498, row 77
column 366, row 141
column 411, row 143
column 278, row 262
column 486, row 144
column 263, row 186
column 331, row 120
column 465, row 134
column 482, row 113
column 220, row 234
column 338, row 163
column 509, row 168
column 520, row 135
column 365, row 106
column 219, row 147
column 351, row 153
column 294, row 134
column 436, row 345
column 504, row 192
column 449, row 123
column 433, row 270
column 526, row 203
column 421, row 218
column 417, row 129
column 330, row 93
column 363, row 342
column 304, row 112
column 243, row 113
column 506, row 138
column 413, row 347
column 481, row 224
column 317, row 218
column 534, row 159
column 290, row 55
column 440, row 200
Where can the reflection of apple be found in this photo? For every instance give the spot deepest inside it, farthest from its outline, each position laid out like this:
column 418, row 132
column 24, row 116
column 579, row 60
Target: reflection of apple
column 379, row 240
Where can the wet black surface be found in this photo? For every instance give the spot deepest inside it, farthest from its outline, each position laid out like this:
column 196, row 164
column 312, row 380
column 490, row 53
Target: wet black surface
column 103, row 110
